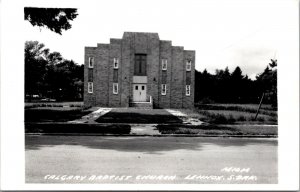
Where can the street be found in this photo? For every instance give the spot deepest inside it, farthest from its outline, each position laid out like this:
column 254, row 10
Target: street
column 163, row 160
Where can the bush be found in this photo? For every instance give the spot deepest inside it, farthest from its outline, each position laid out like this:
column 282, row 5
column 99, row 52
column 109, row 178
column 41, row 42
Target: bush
column 76, row 128
column 261, row 119
column 231, row 119
column 219, row 119
column 241, row 118
column 206, row 100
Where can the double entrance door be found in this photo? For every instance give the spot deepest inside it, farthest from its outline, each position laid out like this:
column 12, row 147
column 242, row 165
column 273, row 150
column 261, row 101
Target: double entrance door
column 139, row 92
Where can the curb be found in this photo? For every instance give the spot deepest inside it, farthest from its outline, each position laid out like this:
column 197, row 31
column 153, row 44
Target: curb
column 145, row 135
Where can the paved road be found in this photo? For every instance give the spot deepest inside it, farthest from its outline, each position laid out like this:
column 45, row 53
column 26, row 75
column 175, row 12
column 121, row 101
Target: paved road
column 169, row 160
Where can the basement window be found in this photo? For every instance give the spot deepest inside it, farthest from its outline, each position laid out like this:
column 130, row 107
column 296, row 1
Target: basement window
column 163, row 89
column 90, row 87
column 115, row 88
column 188, row 90
column 189, row 65
column 91, row 62
column 164, row 64
column 116, row 63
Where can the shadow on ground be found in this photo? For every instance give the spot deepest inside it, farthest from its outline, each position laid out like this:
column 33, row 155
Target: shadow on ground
column 138, row 116
column 152, row 145
column 54, row 114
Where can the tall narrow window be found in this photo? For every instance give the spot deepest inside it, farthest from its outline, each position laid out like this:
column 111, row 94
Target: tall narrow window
column 115, row 88
column 189, row 65
column 188, row 90
column 90, row 87
column 116, row 63
column 164, row 63
column 163, row 89
column 90, row 75
column 140, row 64
column 91, row 62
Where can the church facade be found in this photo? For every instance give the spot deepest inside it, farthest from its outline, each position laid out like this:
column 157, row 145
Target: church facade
column 139, row 69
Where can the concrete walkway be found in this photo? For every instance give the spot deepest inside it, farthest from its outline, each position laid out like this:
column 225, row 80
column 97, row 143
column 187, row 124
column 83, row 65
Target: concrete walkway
column 136, row 129
column 144, row 129
column 91, row 117
column 184, row 117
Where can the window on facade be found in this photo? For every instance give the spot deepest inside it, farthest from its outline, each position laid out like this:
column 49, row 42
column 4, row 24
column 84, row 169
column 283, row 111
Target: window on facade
column 90, row 75
column 188, row 90
column 163, row 89
column 188, row 78
column 91, row 62
column 164, row 63
column 115, row 88
column 140, row 64
column 90, row 87
column 116, row 63
column 189, row 65
column 143, row 87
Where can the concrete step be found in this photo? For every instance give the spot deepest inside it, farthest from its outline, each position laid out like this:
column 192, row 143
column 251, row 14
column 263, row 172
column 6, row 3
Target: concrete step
column 145, row 105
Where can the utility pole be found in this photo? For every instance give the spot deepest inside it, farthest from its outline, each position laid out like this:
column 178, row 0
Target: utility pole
column 262, row 97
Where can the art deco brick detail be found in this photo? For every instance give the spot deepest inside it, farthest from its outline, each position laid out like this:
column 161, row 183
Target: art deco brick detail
column 139, row 57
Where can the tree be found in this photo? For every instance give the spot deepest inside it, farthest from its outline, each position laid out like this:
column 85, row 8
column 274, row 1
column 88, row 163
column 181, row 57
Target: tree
column 267, row 82
column 237, row 74
column 55, row 19
column 35, row 67
column 54, row 58
column 48, row 74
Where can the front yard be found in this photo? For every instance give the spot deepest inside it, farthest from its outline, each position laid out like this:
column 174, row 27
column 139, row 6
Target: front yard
column 138, row 116
column 53, row 118
column 234, row 114
column 221, row 130
column 227, row 119
column 218, row 119
column 54, row 114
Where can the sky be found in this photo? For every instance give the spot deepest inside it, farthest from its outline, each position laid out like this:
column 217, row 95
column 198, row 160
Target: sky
column 228, row 33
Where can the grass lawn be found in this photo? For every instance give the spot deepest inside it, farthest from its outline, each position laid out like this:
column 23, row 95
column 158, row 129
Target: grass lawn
column 53, row 104
column 251, row 108
column 230, row 117
column 234, row 114
column 53, row 128
column 210, row 129
column 54, row 114
column 125, row 115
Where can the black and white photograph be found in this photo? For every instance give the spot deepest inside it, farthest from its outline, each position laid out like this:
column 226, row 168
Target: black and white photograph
column 168, row 95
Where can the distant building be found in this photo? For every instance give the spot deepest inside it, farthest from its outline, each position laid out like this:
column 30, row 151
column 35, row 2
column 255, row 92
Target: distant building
column 139, row 70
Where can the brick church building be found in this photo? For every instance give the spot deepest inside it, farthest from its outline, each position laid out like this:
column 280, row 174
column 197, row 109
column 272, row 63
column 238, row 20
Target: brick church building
column 139, row 70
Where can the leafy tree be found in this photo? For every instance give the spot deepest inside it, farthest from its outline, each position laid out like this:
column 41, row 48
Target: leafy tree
column 49, row 75
column 225, row 87
column 268, row 82
column 55, row 19
column 273, row 63
column 54, row 58
column 35, row 67
column 237, row 74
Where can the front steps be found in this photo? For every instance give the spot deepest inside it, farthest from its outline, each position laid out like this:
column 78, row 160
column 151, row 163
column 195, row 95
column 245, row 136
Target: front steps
column 141, row 105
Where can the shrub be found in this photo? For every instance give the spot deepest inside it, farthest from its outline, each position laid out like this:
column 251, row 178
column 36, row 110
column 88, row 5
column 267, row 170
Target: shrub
column 241, row 118
column 219, row 118
column 260, row 119
column 231, row 119
column 206, row 100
